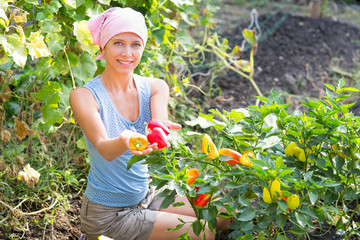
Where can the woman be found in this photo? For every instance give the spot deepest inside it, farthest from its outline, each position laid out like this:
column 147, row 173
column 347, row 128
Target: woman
column 110, row 109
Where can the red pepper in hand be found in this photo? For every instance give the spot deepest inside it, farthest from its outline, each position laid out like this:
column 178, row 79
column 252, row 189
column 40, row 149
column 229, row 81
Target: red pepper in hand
column 138, row 142
column 202, row 200
column 158, row 136
column 232, row 153
column 191, row 175
column 156, row 123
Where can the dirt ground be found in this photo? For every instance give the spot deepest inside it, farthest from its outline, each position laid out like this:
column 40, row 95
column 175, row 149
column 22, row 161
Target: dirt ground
column 295, row 58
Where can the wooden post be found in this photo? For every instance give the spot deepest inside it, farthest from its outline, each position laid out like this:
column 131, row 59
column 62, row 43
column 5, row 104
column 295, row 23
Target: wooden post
column 315, row 9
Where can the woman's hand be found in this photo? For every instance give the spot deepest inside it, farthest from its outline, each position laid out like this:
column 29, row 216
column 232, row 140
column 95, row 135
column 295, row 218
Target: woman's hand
column 165, row 124
column 125, row 137
column 172, row 125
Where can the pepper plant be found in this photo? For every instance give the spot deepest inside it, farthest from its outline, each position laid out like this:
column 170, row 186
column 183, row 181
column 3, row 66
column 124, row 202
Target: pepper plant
column 305, row 167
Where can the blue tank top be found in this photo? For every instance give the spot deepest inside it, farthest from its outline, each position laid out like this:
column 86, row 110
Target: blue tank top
column 109, row 183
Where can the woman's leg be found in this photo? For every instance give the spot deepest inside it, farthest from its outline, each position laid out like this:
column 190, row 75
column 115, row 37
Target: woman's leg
column 165, row 220
column 222, row 223
column 168, row 218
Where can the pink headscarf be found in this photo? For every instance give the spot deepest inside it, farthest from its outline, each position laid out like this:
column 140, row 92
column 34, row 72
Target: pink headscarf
column 114, row 21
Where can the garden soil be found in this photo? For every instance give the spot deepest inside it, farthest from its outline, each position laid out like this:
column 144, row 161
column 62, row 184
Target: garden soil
column 296, row 58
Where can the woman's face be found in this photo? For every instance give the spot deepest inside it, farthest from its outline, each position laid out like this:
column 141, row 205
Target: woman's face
column 123, row 52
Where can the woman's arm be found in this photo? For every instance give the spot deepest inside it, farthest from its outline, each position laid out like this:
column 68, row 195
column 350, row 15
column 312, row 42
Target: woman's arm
column 159, row 103
column 85, row 110
column 159, row 99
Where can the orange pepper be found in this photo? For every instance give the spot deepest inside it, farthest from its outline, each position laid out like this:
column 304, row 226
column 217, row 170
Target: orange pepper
column 209, row 147
column 191, row 175
column 138, row 142
column 244, row 159
column 232, row 153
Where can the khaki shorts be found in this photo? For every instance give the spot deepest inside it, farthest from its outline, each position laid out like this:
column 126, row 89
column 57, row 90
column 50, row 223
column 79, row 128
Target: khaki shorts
column 134, row 222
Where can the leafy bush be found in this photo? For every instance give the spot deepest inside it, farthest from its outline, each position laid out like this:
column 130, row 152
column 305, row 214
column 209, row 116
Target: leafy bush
column 325, row 177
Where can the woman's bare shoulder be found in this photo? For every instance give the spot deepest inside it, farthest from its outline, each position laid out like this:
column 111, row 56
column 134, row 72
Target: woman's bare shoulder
column 82, row 95
column 158, row 85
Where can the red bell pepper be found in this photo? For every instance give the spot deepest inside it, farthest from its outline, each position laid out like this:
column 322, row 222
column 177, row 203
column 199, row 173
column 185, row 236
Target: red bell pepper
column 191, row 175
column 156, row 123
column 232, row 153
column 202, row 200
column 209, row 147
column 158, row 136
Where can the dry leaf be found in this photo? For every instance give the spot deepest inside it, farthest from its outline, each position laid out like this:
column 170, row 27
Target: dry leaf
column 5, row 136
column 7, row 93
column 29, row 175
column 9, row 172
column 32, row 133
column 20, row 160
column 15, row 169
column 21, row 129
column 2, row 164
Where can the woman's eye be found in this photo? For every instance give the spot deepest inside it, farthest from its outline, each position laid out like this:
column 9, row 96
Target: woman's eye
column 137, row 44
column 118, row 43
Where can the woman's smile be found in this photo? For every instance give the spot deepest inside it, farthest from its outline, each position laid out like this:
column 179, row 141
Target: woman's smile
column 125, row 62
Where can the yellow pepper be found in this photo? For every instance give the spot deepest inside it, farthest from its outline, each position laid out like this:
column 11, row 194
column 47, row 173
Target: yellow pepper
column 289, row 150
column 267, row 196
column 244, row 159
column 293, row 201
column 275, row 189
column 293, row 150
column 209, row 147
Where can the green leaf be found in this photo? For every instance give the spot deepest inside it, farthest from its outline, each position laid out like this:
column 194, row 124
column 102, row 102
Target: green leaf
column 281, row 220
column 313, row 197
column 34, row 2
column 134, row 159
column 247, row 215
column 55, row 42
column 50, row 27
column 184, row 236
column 81, row 143
column 350, row 89
column 179, row 3
column 168, row 200
column 249, row 36
column 86, row 69
column 83, row 35
column 301, row 219
column 282, row 204
column 341, row 83
column 204, row 123
column 246, row 226
column 70, row 3
column 37, row 47
column 15, row 48
column 197, row 227
column 231, row 184
column 105, row 2
column 52, row 114
column 246, row 237
column 49, row 93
